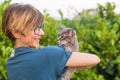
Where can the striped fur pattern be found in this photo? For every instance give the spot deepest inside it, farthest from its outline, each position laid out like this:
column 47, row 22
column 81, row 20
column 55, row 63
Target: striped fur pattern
column 67, row 38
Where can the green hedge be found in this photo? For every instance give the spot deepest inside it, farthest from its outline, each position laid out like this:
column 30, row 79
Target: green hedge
column 98, row 34
column 5, row 45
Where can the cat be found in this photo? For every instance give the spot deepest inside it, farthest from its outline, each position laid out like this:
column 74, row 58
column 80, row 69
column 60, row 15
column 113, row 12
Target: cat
column 68, row 39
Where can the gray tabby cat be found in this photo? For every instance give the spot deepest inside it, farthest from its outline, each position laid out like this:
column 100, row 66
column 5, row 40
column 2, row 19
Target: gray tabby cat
column 67, row 38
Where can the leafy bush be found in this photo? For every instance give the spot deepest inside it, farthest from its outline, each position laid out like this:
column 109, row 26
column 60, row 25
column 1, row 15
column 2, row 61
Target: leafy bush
column 98, row 34
column 5, row 53
column 5, row 44
column 50, row 29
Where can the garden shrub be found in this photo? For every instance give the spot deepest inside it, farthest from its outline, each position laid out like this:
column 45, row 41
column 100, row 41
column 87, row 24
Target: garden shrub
column 98, row 34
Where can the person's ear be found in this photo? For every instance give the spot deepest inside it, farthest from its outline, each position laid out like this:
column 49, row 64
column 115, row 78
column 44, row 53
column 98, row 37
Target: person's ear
column 15, row 34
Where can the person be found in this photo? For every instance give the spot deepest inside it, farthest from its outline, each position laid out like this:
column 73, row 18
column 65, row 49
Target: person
column 22, row 24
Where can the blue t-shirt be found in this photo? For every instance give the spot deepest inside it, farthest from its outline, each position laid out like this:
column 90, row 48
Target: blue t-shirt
column 47, row 63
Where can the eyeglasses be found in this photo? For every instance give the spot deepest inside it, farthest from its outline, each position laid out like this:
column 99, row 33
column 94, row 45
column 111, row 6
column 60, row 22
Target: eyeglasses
column 38, row 28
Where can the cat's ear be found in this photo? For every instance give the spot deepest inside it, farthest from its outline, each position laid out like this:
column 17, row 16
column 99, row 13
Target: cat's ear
column 60, row 28
column 70, row 32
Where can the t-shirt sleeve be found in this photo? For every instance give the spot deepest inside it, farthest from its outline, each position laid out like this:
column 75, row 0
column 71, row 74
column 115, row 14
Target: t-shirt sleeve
column 57, row 59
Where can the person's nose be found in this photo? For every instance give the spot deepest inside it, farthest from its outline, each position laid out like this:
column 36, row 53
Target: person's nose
column 41, row 32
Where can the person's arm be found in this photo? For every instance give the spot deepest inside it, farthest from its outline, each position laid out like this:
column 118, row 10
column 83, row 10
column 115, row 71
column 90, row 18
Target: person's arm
column 82, row 60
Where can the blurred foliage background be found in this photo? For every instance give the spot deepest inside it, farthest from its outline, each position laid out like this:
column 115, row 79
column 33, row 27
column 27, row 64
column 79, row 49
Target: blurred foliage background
column 98, row 32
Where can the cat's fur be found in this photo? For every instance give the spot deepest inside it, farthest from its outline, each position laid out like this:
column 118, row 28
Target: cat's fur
column 68, row 39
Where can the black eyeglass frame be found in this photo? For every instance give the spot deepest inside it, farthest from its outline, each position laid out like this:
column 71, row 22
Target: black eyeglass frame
column 37, row 28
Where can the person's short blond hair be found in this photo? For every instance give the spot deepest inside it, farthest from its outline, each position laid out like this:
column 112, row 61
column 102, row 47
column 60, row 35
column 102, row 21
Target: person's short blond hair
column 20, row 18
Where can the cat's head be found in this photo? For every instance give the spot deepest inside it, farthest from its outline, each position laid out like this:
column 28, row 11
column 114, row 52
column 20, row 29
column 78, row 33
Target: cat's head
column 65, row 35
